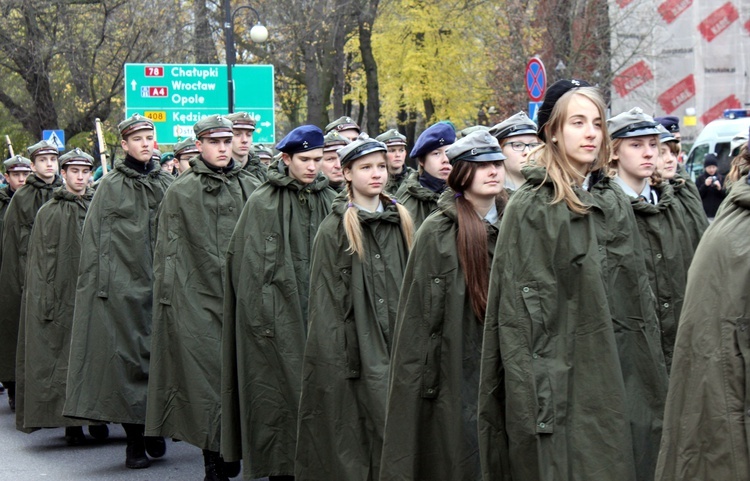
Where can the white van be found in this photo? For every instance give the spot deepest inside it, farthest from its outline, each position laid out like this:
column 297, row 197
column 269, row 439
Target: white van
column 716, row 137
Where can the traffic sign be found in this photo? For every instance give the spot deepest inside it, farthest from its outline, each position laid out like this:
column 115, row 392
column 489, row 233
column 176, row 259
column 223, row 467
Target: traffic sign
column 536, row 79
column 176, row 96
column 533, row 109
column 56, row 137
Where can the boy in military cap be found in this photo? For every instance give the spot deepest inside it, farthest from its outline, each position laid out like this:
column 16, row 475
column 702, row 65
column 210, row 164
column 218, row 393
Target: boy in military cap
column 517, row 137
column 17, row 168
column 111, row 334
column 346, row 127
column 263, row 154
column 398, row 171
column 265, row 321
column 19, row 219
column 331, row 165
column 196, row 220
column 243, row 126
column 183, row 152
column 44, row 334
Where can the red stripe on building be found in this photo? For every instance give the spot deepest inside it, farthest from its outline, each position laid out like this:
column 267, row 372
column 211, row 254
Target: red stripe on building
column 719, row 20
column 715, row 112
column 677, row 94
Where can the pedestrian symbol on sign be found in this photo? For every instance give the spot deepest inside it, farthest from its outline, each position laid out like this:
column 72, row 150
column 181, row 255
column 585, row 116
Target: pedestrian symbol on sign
column 56, row 137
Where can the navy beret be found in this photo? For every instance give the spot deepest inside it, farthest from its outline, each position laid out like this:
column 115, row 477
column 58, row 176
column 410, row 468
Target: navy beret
column 670, row 123
column 436, row 136
column 301, row 139
column 554, row 92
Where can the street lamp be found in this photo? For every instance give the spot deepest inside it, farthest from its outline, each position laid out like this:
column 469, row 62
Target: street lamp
column 258, row 34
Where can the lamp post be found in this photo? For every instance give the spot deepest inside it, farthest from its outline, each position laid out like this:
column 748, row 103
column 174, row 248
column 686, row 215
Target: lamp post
column 258, row 34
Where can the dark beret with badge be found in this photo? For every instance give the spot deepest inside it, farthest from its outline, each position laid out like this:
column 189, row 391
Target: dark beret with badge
column 213, row 127
column 166, row 157
column 17, row 163
column 242, row 120
column 186, row 146
column 333, row 141
column 670, row 123
column 134, row 124
column 439, row 135
column 478, row 146
column 360, row 148
column 342, row 123
column 42, row 148
column 633, row 123
column 301, row 139
column 392, row 138
column 665, row 135
column 76, row 157
column 553, row 94
column 518, row 124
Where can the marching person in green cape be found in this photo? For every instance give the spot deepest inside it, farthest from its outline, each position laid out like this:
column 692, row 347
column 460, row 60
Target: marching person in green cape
column 358, row 262
column 183, row 152
column 49, row 294
column 517, row 137
column 398, row 171
column 17, row 225
column 196, row 220
column 344, row 126
column 265, row 308
column 331, row 164
column 431, row 423
column 17, row 168
column 243, row 127
column 111, row 336
column 420, row 191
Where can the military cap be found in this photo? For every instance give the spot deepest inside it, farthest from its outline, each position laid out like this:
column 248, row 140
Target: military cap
column 262, row 151
column 436, row 136
column 17, row 163
column 156, row 155
column 186, row 146
column 166, row 157
column 478, row 146
column 76, row 157
column 301, row 139
column 342, row 123
column 633, row 123
column 360, row 148
column 553, row 94
column 473, row 128
column 710, row 159
column 133, row 124
column 670, row 123
column 213, row 126
column 665, row 135
column 42, row 148
column 391, row 137
column 517, row 124
column 334, row 141
column 242, row 120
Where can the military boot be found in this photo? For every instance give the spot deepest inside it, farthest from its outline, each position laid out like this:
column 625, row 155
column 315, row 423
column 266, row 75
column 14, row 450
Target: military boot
column 74, row 436
column 213, row 464
column 135, row 453
column 156, row 447
column 231, row 468
column 100, row 432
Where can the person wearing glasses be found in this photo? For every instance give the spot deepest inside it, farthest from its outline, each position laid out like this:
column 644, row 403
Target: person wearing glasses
column 517, row 137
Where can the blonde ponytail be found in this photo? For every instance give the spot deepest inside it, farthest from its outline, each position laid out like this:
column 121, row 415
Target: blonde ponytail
column 407, row 225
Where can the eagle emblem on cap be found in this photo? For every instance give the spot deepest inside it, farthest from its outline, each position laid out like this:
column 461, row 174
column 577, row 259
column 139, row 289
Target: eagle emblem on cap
column 575, row 82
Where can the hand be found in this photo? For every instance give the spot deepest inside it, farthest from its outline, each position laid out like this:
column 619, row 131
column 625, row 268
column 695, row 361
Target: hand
column 709, row 181
column 717, row 184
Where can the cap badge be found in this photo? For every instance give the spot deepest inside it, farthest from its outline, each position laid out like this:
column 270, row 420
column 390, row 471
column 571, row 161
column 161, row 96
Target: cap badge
column 575, row 82
column 304, row 144
column 441, row 141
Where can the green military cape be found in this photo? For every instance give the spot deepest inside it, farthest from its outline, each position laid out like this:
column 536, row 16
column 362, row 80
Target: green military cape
column 196, row 220
column 49, row 294
column 19, row 220
column 706, row 429
column 431, row 426
column 352, row 314
column 395, row 182
column 668, row 250
column 633, row 309
column 5, row 198
column 418, row 200
column 687, row 196
column 256, row 168
column 552, row 402
column 265, row 321
column 109, row 351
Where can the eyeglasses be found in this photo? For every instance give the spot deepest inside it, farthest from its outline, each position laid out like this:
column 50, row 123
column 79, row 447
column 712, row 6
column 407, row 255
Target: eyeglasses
column 520, row 146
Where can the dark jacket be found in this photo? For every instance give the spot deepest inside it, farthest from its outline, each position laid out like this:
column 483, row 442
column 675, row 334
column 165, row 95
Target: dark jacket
column 111, row 339
column 265, row 321
column 353, row 306
column 431, row 427
column 706, row 431
column 710, row 195
column 396, row 181
column 552, row 402
column 687, row 195
column 418, row 200
column 196, row 220
column 49, row 294
column 19, row 220
column 256, row 168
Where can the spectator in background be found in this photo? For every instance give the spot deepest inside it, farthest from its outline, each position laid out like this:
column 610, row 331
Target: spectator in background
column 711, row 185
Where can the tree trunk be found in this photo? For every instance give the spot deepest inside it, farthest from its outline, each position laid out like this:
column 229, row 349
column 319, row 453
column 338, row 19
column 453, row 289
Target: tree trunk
column 203, row 49
column 366, row 19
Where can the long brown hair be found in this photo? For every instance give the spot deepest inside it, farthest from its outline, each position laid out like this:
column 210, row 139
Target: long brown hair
column 471, row 239
column 740, row 164
column 552, row 155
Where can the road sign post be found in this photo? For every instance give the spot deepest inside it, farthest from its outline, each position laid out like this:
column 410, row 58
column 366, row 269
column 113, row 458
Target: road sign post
column 57, row 137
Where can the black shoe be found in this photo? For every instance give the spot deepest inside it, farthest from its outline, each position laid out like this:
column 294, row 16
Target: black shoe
column 100, row 432
column 11, row 387
column 12, row 402
column 231, row 469
column 74, row 436
column 213, row 464
column 135, row 453
column 155, row 446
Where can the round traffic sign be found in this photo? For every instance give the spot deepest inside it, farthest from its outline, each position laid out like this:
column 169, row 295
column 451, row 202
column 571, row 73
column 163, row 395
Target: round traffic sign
column 536, row 79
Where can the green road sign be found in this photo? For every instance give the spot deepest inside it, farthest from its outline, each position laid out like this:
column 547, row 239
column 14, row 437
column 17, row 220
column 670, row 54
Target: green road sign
column 176, row 96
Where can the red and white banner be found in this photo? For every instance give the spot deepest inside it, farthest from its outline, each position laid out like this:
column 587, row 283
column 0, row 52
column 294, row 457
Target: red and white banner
column 632, row 77
column 718, row 21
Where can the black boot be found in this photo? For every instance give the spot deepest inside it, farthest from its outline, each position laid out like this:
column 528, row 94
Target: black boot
column 231, row 468
column 100, row 432
column 212, row 462
column 11, row 387
column 156, row 447
column 74, row 436
column 135, row 453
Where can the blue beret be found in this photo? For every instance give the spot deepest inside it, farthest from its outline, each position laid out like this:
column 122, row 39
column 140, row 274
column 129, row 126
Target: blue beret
column 438, row 135
column 670, row 123
column 301, row 139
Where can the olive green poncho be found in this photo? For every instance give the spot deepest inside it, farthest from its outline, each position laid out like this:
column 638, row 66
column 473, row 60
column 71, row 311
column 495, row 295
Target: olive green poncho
column 431, row 426
column 196, row 220
column 19, row 220
column 418, row 200
column 49, row 295
column 687, row 195
column 256, row 168
column 265, row 321
column 706, row 428
column 353, row 306
column 5, row 198
column 111, row 339
column 396, row 181
column 552, row 401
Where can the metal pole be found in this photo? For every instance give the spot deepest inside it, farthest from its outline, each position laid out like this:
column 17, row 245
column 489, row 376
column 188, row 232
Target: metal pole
column 229, row 44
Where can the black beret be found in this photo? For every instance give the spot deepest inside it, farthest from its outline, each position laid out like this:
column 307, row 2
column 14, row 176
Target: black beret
column 554, row 92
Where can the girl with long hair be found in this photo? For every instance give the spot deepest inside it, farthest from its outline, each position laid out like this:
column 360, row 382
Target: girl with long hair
column 431, row 430
column 358, row 261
